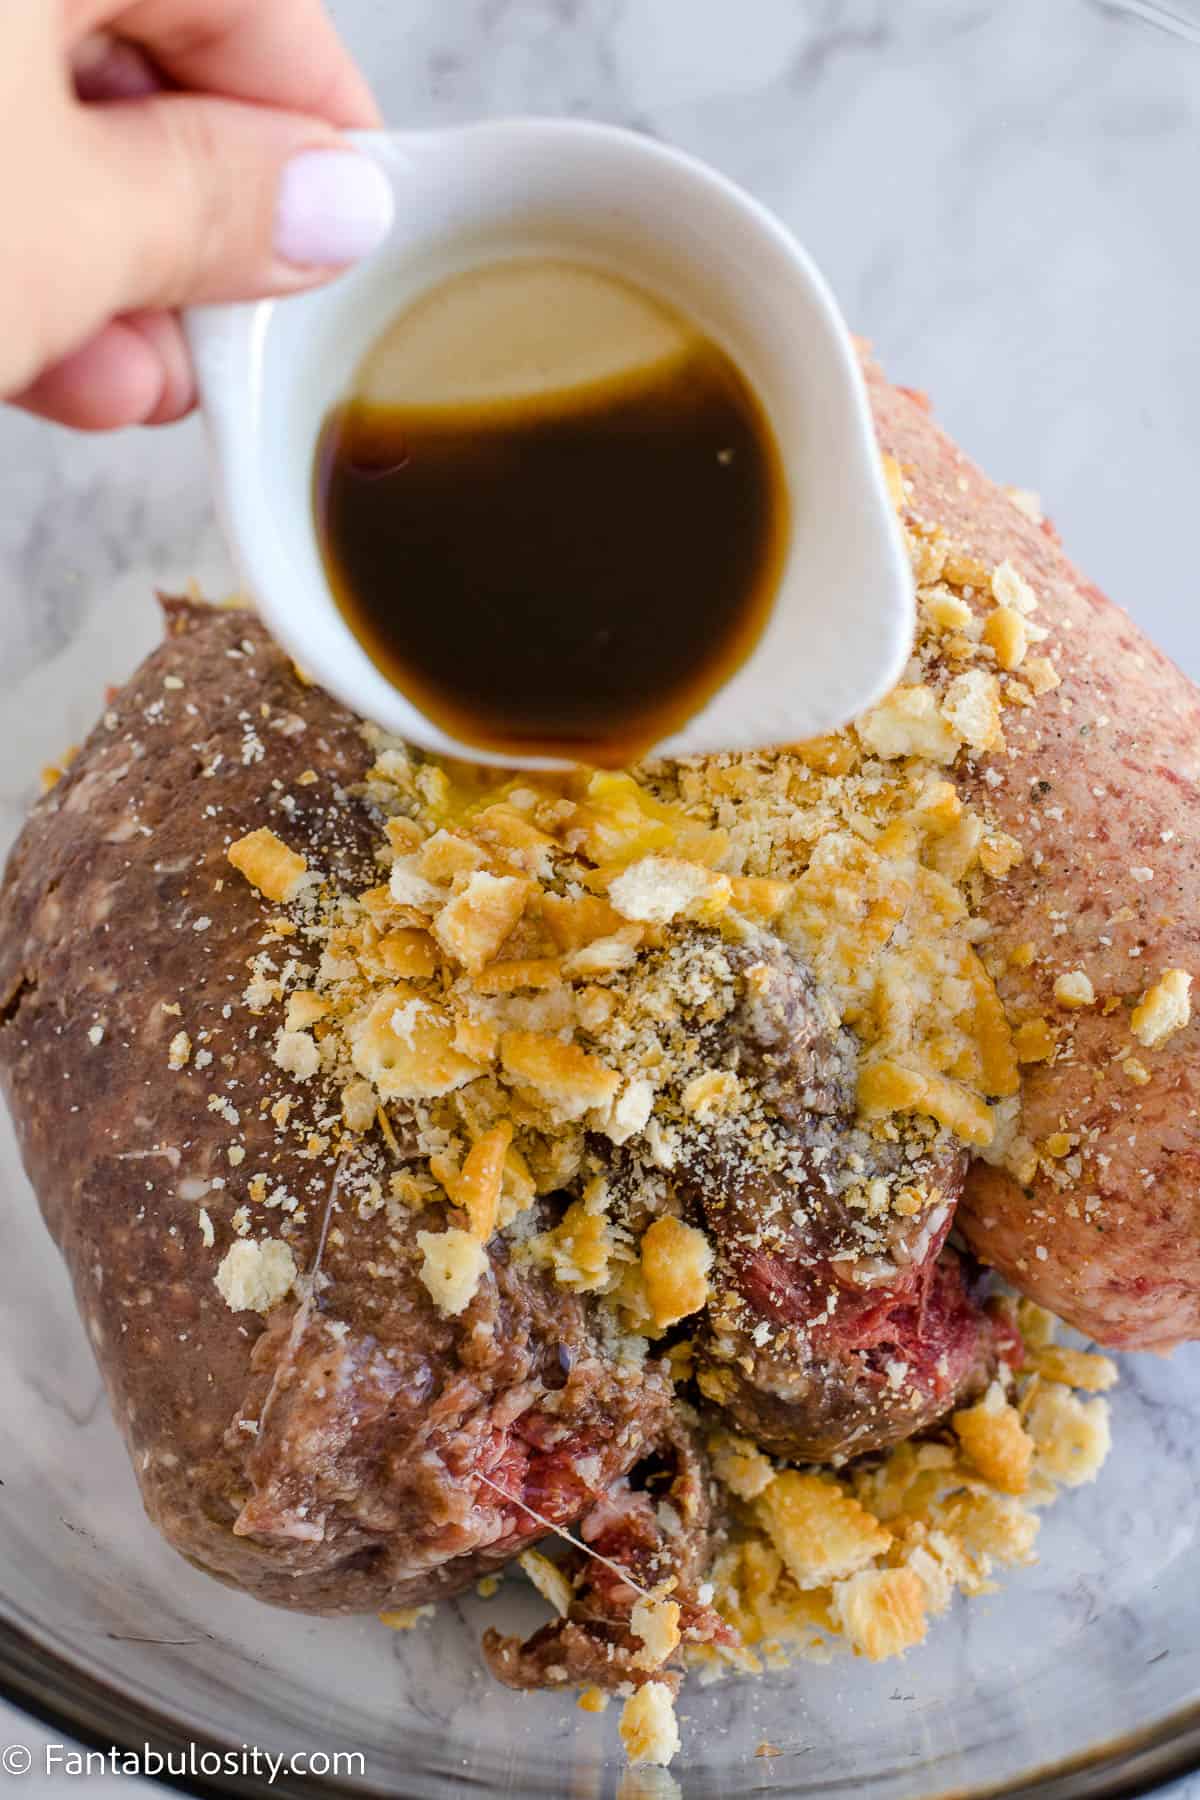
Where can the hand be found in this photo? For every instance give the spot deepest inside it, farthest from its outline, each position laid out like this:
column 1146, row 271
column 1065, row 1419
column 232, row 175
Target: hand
column 155, row 154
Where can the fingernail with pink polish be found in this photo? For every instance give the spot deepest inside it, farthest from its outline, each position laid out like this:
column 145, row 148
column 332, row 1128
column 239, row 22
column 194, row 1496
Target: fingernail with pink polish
column 335, row 206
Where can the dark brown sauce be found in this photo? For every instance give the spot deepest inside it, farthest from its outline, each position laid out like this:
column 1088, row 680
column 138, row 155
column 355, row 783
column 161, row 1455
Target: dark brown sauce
column 573, row 574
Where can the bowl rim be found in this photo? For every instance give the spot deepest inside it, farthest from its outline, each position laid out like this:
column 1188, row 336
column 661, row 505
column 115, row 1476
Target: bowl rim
column 95, row 1713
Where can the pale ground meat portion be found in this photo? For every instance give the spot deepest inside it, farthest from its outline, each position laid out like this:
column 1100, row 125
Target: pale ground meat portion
column 1101, row 781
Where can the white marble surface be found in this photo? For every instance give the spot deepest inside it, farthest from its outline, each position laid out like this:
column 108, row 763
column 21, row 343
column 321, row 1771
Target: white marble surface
column 1001, row 194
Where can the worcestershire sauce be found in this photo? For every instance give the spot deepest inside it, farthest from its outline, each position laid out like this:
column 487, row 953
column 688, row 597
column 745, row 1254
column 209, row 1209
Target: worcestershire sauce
column 552, row 511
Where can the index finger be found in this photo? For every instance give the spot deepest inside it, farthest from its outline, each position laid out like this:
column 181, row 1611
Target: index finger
column 274, row 52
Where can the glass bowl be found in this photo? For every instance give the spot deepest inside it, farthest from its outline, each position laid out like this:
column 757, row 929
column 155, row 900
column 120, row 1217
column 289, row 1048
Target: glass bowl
column 1002, row 196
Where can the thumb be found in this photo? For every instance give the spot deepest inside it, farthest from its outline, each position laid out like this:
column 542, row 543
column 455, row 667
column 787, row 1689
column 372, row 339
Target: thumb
column 204, row 199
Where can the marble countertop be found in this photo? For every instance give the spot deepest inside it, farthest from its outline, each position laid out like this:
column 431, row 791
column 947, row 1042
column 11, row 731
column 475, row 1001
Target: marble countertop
column 1002, row 196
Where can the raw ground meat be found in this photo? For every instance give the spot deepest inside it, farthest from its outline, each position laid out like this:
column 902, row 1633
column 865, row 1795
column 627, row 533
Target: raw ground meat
column 1101, row 784
column 817, row 1350
column 660, row 1527
column 327, row 1459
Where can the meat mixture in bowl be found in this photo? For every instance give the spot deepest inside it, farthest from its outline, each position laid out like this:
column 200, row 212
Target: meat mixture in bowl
column 574, row 1159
